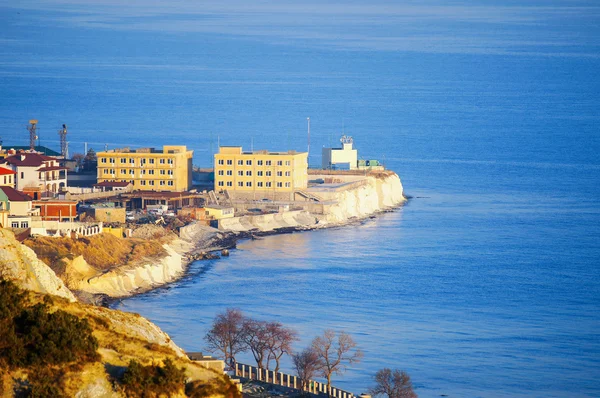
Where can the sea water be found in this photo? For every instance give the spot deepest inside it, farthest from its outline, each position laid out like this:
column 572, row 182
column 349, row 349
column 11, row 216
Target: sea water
column 486, row 283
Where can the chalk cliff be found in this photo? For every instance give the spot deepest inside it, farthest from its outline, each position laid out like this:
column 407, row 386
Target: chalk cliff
column 21, row 265
column 366, row 197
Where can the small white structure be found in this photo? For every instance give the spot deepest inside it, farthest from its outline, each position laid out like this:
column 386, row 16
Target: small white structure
column 344, row 158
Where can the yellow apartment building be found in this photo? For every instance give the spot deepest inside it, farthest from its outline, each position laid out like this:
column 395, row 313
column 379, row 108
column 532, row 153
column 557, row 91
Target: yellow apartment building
column 260, row 174
column 148, row 169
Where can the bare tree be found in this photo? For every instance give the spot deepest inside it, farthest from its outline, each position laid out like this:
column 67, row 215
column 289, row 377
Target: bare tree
column 255, row 337
column 393, row 384
column 335, row 352
column 306, row 364
column 279, row 342
column 226, row 334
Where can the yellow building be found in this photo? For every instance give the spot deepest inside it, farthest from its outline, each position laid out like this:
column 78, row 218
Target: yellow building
column 260, row 174
column 147, row 168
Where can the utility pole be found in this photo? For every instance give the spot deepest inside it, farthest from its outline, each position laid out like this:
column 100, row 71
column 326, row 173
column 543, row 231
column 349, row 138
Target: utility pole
column 308, row 149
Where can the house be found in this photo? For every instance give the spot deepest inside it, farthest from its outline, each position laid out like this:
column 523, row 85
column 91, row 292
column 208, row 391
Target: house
column 56, row 210
column 18, row 208
column 148, row 168
column 7, row 177
column 218, row 212
column 34, row 170
column 260, row 174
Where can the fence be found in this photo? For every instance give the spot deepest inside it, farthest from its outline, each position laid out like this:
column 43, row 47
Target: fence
column 286, row 380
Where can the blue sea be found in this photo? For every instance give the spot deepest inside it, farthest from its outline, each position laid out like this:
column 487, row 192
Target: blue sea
column 485, row 284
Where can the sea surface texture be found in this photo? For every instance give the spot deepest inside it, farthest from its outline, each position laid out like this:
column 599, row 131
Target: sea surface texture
column 485, row 284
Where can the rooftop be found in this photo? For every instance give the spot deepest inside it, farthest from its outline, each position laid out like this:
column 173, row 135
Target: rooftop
column 15, row 196
column 26, row 159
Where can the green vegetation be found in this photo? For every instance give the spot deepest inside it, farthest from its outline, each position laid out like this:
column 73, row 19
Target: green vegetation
column 154, row 380
column 34, row 338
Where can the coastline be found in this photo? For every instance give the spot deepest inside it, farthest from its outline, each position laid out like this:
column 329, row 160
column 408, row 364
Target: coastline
column 198, row 242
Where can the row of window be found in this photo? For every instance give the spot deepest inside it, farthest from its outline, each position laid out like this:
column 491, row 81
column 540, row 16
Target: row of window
column 23, row 224
column 259, row 184
column 248, row 173
column 152, row 182
column 249, row 162
column 142, row 172
column 132, row 161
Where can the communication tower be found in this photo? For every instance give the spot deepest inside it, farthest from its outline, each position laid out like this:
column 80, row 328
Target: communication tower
column 62, row 133
column 32, row 133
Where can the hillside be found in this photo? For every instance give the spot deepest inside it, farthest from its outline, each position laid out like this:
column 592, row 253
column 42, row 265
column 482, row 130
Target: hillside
column 49, row 341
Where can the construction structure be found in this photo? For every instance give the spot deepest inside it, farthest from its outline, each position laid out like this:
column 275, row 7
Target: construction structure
column 32, row 128
column 260, row 174
column 169, row 169
column 64, row 150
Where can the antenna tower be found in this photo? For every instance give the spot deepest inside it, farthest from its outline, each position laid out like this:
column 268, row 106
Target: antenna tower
column 62, row 133
column 32, row 133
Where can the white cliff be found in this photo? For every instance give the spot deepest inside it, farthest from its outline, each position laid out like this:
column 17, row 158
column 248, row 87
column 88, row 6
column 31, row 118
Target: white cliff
column 21, row 265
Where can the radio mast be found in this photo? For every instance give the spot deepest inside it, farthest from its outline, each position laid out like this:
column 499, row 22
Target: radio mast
column 32, row 133
column 62, row 133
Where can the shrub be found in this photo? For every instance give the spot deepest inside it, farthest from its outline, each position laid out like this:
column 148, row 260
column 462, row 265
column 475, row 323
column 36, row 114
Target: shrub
column 153, row 380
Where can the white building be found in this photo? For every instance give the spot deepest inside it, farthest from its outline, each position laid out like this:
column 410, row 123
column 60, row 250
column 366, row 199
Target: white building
column 36, row 171
column 344, row 158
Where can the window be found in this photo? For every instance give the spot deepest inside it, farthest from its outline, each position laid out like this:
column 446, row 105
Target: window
column 268, row 184
column 229, row 162
column 279, row 174
column 229, row 172
column 240, row 162
column 287, row 162
column 279, row 163
column 142, row 161
column 170, row 161
column 131, row 171
column 151, row 172
column 287, row 173
column 170, row 183
column 22, row 175
column 142, row 172
column 162, row 161
column 248, row 173
column 221, row 162
column 268, row 174
column 151, row 161
column 132, row 161
column 162, row 172
column 229, row 183
column 220, row 183
column 260, row 184
column 151, row 182
column 123, row 160
column 143, row 182
column 268, row 162
column 102, row 160
column 112, row 160
column 287, row 185
column 248, row 184
column 161, row 182
column 123, row 171
column 259, row 173
column 220, row 172
column 14, row 224
column 24, row 224
column 279, row 185
column 259, row 162
column 240, row 173
column 240, row 184
column 248, row 163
